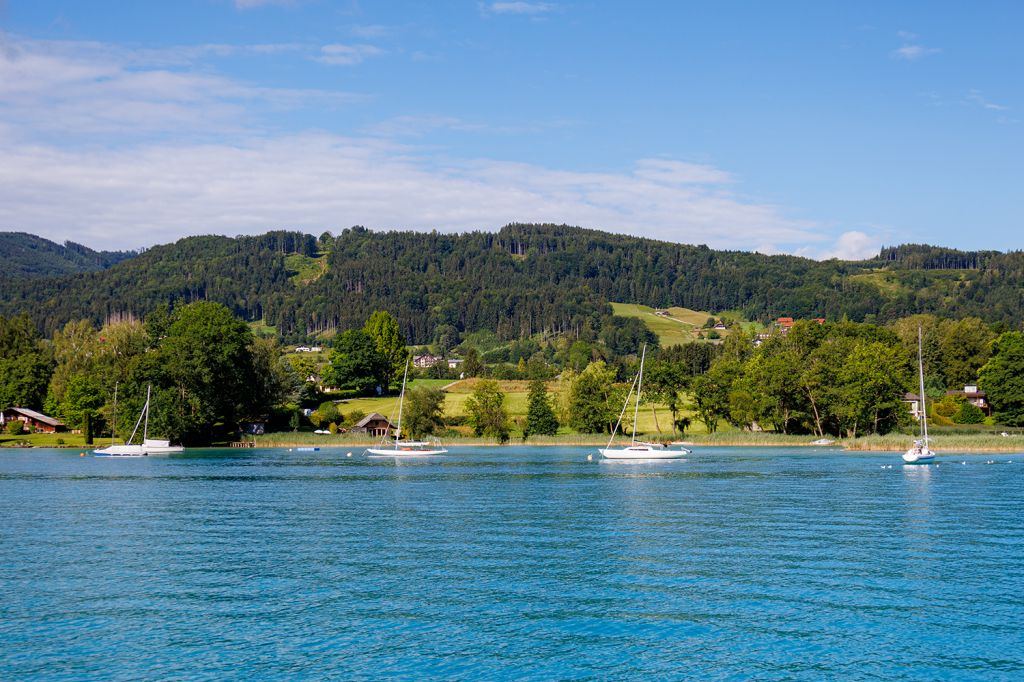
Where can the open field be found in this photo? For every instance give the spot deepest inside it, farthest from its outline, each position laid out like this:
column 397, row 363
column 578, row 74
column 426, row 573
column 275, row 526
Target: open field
column 49, row 440
column 650, row 418
column 677, row 326
column 304, row 270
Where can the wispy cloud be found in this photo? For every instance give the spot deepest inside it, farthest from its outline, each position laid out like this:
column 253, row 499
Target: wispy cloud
column 975, row 97
column 100, row 146
column 159, row 192
column 420, row 125
column 519, row 7
column 251, row 4
column 80, row 89
column 346, row 55
column 372, row 31
column 912, row 49
column 851, row 245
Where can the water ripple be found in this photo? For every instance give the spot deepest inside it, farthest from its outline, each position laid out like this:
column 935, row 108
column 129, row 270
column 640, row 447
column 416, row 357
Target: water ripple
column 509, row 563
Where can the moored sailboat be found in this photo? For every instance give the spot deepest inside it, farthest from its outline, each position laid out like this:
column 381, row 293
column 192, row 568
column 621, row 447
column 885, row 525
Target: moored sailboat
column 403, row 448
column 638, row 449
column 919, row 452
column 148, row 446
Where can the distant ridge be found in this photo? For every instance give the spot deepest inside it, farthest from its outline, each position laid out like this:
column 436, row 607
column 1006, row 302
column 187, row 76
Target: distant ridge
column 522, row 280
column 26, row 255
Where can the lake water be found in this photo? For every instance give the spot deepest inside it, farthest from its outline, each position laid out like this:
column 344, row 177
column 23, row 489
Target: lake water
column 502, row 563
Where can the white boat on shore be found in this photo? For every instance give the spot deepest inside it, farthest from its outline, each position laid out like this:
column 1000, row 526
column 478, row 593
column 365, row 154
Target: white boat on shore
column 639, row 449
column 148, row 446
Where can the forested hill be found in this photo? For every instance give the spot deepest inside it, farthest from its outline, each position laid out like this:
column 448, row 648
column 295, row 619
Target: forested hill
column 26, row 255
column 519, row 281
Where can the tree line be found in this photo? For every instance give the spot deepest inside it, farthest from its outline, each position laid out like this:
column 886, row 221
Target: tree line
column 209, row 374
column 523, row 281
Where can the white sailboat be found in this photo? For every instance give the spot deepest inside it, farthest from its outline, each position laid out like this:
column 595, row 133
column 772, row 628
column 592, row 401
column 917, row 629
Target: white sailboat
column 919, row 452
column 638, row 449
column 404, row 448
column 149, row 446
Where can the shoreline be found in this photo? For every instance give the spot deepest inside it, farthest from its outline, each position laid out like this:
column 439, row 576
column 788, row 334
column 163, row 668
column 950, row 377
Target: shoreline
column 891, row 444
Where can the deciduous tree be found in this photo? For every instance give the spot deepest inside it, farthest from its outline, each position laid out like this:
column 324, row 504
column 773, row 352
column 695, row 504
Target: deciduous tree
column 487, row 414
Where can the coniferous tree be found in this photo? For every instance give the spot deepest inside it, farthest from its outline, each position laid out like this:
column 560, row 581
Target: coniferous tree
column 540, row 416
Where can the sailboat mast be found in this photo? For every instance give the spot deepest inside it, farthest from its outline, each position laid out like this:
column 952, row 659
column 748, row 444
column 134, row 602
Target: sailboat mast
column 113, row 420
column 920, row 375
column 145, row 428
column 401, row 401
column 639, row 384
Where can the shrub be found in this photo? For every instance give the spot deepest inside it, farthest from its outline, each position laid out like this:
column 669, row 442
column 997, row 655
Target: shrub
column 14, row 427
column 969, row 414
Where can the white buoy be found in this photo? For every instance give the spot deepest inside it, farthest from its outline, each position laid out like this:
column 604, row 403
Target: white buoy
column 348, row 454
column 590, row 457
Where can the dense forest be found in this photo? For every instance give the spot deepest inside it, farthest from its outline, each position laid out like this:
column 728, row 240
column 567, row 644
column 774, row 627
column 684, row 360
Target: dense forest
column 521, row 281
column 25, row 255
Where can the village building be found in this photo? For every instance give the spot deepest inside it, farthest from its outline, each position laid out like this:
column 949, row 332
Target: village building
column 37, row 421
column 374, row 424
column 913, row 402
column 784, row 324
column 426, row 361
column 975, row 397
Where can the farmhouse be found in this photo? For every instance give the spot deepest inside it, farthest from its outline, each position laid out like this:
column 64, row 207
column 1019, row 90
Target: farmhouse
column 374, row 424
column 975, row 397
column 32, row 419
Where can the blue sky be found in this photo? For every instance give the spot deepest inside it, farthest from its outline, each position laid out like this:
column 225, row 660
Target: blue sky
column 817, row 128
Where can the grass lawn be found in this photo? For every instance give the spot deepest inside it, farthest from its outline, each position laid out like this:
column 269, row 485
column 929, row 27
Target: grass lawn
column 680, row 325
column 649, row 418
column 261, row 329
column 303, row 269
column 48, row 440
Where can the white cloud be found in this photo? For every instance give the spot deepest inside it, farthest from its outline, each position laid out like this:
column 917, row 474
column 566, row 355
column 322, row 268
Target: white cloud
column 157, row 193
column 69, row 89
column 183, row 154
column 529, row 8
column 346, row 55
column 672, row 172
column 852, row 245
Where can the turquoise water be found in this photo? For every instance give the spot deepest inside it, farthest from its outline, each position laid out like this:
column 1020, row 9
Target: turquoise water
column 510, row 563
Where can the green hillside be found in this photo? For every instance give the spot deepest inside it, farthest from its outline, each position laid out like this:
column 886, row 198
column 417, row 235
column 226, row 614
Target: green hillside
column 27, row 256
column 519, row 282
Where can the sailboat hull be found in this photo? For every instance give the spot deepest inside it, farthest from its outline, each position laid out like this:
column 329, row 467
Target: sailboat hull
column 407, row 452
column 148, row 447
column 120, row 451
column 642, row 452
column 916, row 456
